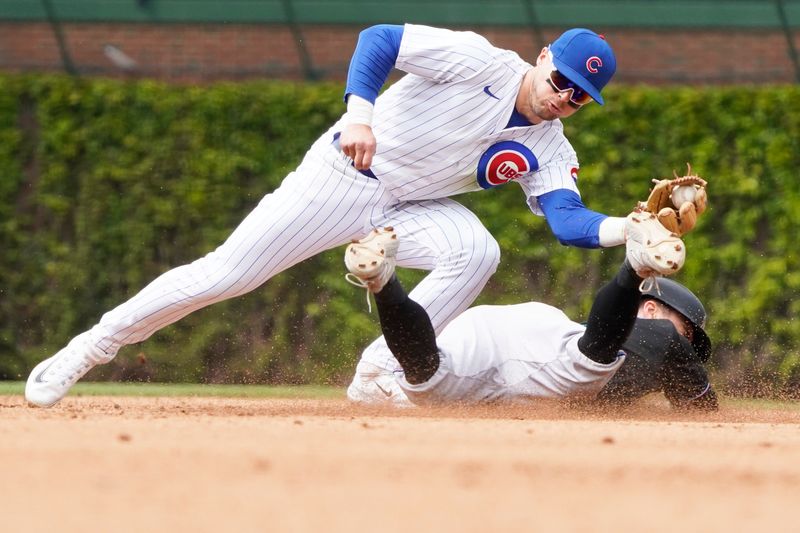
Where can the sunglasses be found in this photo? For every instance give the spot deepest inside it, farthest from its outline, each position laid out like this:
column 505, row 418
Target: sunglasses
column 561, row 83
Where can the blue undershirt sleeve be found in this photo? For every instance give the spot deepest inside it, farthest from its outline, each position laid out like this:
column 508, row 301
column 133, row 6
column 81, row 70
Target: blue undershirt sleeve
column 571, row 222
column 375, row 55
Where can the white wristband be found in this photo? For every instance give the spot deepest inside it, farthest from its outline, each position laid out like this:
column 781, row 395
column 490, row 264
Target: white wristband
column 359, row 111
column 611, row 232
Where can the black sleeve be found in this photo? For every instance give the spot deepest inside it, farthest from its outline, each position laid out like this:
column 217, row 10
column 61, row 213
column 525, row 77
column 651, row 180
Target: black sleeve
column 612, row 316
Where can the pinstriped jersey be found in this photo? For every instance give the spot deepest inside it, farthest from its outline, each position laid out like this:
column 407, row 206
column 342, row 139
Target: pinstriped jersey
column 441, row 129
column 527, row 350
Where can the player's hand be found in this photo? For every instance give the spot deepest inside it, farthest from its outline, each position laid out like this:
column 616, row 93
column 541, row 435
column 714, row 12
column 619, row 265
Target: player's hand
column 358, row 143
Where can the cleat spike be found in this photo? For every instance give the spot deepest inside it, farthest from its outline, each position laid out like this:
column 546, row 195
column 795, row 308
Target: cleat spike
column 371, row 260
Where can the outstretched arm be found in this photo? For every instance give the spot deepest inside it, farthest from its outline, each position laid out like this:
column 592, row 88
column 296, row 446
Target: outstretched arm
column 612, row 316
column 574, row 224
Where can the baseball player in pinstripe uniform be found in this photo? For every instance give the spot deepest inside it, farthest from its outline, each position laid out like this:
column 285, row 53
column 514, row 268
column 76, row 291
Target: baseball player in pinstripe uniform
column 633, row 343
column 467, row 116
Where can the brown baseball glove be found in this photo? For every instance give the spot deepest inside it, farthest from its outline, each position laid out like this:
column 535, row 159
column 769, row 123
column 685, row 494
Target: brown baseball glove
column 678, row 202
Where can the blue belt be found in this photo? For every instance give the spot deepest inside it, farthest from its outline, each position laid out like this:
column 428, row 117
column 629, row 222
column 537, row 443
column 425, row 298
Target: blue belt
column 367, row 172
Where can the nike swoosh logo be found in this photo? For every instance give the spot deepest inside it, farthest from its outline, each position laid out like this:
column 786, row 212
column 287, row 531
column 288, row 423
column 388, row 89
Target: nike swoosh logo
column 38, row 378
column 386, row 392
column 487, row 91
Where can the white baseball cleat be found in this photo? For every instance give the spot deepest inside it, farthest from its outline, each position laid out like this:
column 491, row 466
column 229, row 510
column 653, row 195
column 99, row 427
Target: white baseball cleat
column 51, row 379
column 652, row 249
column 377, row 386
column 371, row 260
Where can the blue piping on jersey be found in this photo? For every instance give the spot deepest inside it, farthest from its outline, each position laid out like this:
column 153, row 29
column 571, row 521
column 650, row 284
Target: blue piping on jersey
column 571, row 222
column 375, row 55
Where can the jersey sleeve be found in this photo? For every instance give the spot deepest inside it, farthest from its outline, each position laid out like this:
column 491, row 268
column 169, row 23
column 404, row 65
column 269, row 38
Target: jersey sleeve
column 443, row 55
column 558, row 168
column 373, row 59
column 571, row 222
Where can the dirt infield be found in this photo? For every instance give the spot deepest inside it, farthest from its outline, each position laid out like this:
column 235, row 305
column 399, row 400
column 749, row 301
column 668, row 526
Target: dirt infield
column 208, row 464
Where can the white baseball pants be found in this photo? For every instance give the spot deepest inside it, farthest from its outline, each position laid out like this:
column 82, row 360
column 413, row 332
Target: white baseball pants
column 323, row 204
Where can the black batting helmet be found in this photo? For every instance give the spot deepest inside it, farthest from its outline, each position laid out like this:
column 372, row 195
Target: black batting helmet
column 686, row 303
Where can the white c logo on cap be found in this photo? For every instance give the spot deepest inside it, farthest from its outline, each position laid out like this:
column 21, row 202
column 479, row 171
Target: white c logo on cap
column 593, row 63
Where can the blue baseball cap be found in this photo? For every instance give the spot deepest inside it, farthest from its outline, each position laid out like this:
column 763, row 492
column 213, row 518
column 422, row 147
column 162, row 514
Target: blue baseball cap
column 586, row 59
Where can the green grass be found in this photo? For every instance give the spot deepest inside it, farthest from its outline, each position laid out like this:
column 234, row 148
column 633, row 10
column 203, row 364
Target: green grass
column 287, row 391
column 762, row 403
column 190, row 389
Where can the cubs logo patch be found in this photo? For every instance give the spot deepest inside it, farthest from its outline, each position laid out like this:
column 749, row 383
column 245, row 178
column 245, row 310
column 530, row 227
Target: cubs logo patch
column 504, row 162
column 593, row 64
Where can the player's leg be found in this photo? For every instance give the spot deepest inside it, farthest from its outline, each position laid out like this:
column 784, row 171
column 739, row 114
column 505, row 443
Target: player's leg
column 406, row 326
column 318, row 207
column 408, row 332
column 448, row 239
column 288, row 226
